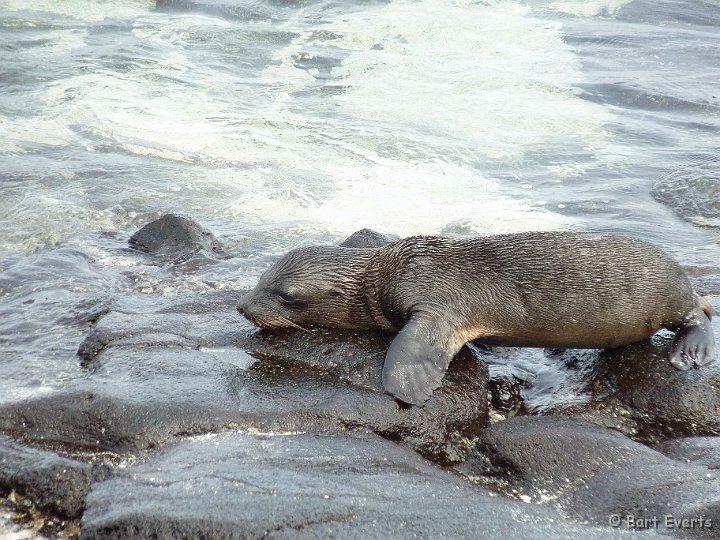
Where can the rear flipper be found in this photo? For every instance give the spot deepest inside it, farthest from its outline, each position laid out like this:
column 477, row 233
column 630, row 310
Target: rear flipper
column 694, row 343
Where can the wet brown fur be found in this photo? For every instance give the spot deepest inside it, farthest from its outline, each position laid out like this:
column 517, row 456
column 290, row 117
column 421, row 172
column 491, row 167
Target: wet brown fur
column 542, row 289
column 539, row 289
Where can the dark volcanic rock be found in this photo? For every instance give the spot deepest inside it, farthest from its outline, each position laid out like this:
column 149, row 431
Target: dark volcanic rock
column 53, row 483
column 354, row 361
column 592, row 473
column 635, row 389
column 698, row 450
column 162, row 368
column 505, row 395
column 247, row 433
column 242, row 485
column 175, row 239
column 659, row 401
column 367, row 238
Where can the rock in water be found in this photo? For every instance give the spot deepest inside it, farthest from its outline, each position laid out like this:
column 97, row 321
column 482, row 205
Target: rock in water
column 174, row 239
column 367, row 238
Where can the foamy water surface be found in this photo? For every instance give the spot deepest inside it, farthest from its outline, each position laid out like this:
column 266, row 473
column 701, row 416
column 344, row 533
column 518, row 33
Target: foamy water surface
column 277, row 124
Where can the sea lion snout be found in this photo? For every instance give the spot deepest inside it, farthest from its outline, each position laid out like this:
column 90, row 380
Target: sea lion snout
column 241, row 305
column 245, row 306
column 264, row 311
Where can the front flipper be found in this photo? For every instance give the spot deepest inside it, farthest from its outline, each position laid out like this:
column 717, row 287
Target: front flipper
column 418, row 359
column 694, row 343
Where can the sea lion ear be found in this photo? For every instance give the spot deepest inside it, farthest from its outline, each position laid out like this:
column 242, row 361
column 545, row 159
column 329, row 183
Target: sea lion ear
column 417, row 359
column 336, row 291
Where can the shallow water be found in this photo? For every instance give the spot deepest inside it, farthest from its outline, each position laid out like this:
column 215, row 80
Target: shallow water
column 277, row 124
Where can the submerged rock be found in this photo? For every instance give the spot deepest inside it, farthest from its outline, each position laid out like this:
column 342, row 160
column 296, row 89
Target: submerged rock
column 693, row 192
column 174, row 239
column 367, row 238
column 244, row 485
column 594, row 474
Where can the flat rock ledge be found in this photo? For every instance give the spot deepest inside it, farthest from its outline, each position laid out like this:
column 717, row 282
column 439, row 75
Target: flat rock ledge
column 353, row 485
column 55, row 484
column 161, row 369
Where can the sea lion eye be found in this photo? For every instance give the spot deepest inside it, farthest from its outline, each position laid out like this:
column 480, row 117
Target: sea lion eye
column 287, row 298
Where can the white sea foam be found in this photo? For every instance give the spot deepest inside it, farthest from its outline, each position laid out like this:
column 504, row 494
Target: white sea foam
column 483, row 79
column 485, row 75
column 586, row 8
column 424, row 198
column 431, row 91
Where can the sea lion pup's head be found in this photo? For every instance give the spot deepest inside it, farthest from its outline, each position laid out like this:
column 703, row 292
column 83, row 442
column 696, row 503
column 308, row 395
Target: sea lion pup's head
column 310, row 286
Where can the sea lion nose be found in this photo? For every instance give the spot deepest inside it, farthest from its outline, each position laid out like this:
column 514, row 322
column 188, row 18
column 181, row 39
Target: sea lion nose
column 243, row 304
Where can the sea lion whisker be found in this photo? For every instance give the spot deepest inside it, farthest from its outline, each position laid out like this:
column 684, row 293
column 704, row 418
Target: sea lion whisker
column 290, row 323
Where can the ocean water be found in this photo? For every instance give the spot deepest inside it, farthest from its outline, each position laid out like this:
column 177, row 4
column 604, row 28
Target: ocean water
column 278, row 123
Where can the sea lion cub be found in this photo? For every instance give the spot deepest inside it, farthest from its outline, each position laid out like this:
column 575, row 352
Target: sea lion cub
column 535, row 289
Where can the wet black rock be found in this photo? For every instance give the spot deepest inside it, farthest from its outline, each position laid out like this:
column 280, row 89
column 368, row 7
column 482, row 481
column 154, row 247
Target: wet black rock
column 353, row 361
column 245, row 485
column 245, row 432
column 638, row 385
column 159, row 369
column 635, row 390
column 367, row 238
column 174, row 239
column 594, row 474
column 55, row 484
column 698, row 450
column 505, row 395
